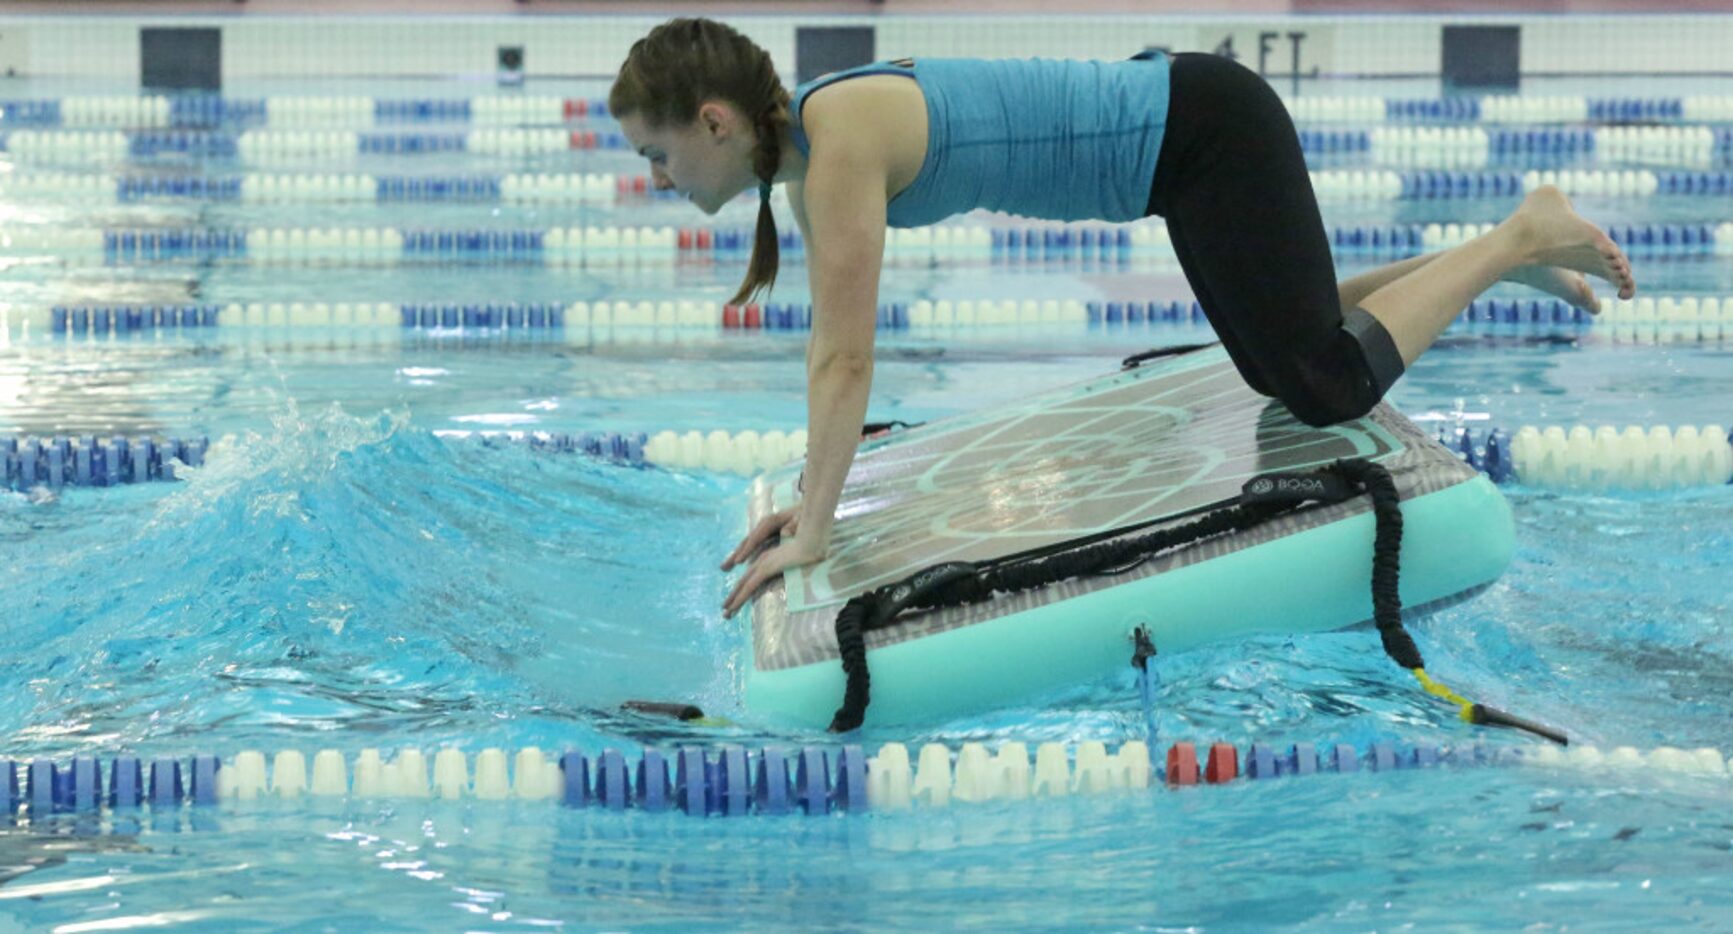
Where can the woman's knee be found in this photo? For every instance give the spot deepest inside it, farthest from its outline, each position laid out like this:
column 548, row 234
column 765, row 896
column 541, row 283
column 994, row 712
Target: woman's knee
column 1342, row 377
column 1323, row 409
column 1253, row 379
column 1328, row 390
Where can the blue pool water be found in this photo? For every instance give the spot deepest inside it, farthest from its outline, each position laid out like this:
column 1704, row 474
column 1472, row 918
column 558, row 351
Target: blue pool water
column 340, row 576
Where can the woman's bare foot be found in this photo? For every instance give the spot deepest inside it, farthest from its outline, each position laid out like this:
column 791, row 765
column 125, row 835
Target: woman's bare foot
column 1552, row 233
column 1570, row 286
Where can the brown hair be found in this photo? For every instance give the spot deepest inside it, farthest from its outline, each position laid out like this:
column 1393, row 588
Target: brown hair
column 683, row 63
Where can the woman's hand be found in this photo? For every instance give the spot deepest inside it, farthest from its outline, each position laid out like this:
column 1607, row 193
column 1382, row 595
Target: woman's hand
column 768, row 565
column 785, row 522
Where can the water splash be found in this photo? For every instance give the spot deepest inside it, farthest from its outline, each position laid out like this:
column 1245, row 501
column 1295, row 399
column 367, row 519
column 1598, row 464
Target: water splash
column 348, row 573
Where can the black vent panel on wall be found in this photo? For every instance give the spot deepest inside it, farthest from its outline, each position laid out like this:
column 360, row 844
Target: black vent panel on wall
column 176, row 58
column 1482, row 56
column 820, row 50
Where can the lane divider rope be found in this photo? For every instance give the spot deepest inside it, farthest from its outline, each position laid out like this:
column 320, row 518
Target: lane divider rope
column 733, row 781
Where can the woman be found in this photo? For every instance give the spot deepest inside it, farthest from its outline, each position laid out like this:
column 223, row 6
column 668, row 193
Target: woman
column 1195, row 139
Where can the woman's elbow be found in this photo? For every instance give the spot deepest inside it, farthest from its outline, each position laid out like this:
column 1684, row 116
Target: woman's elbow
column 843, row 364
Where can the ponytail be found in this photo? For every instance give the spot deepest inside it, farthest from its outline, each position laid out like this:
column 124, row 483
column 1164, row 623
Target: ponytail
column 766, row 250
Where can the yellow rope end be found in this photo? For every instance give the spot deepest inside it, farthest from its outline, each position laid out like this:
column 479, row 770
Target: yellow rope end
column 1465, row 707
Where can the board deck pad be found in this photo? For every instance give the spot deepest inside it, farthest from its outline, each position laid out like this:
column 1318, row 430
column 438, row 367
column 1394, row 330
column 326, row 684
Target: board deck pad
column 1155, row 443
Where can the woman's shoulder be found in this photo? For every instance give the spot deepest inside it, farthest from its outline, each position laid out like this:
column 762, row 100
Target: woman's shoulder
column 875, row 122
column 862, row 104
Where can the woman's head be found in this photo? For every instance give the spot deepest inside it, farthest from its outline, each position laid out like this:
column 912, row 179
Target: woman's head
column 704, row 104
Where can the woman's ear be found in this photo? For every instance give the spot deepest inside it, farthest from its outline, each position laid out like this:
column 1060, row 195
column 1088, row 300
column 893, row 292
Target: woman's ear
column 714, row 118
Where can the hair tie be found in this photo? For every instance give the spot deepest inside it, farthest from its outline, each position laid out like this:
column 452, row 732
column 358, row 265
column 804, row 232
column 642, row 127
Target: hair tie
column 764, row 191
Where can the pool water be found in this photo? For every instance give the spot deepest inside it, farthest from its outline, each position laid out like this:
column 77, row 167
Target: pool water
column 341, row 574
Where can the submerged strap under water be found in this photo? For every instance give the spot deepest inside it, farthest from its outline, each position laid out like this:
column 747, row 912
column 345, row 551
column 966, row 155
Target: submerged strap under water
column 870, row 429
column 1137, row 359
column 1146, row 684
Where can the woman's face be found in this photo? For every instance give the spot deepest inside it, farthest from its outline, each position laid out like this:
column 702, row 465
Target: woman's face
column 709, row 160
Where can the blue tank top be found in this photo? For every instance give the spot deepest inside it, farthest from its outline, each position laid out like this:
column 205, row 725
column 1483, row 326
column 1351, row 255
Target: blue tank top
column 1054, row 139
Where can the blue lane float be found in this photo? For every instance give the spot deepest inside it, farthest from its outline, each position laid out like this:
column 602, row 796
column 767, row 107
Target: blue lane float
column 1132, row 313
column 101, row 319
column 202, row 144
column 1433, row 110
column 454, row 188
column 30, row 114
column 1524, row 311
column 1541, row 140
column 1487, row 450
column 412, row 144
column 1694, row 183
column 1045, row 243
column 421, row 111
column 534, row 316
column 92, row 462
column 626, row 448
column 132, row 189
column 1677, row 239
column 197, row 245
column 1436, row 185
column 1635, row 109
column 1380, row 239
column 1317, row 143
column 519, row 244
column 208, row 111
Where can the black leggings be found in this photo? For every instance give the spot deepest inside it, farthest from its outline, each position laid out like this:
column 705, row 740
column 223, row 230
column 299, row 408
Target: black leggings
column 1231, row 182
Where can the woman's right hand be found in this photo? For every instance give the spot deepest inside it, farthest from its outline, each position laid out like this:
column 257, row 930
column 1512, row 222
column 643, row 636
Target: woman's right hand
column 776, row 524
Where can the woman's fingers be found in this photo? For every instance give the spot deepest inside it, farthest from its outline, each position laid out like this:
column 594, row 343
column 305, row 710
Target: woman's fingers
column 768, row 566
column 767, row 527
column 750, row 543
column 733, row 598
column 744, row 589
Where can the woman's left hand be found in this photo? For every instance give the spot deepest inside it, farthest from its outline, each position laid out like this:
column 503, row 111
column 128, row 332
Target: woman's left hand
column 768, row 566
